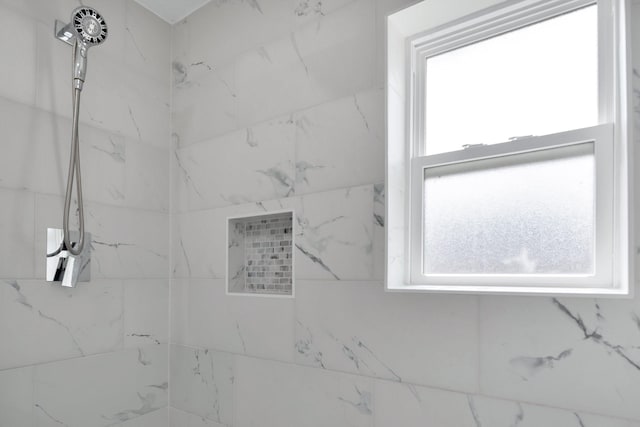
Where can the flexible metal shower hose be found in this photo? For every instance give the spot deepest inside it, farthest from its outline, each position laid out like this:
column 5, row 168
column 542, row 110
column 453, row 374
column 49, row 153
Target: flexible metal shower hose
column 74, row 169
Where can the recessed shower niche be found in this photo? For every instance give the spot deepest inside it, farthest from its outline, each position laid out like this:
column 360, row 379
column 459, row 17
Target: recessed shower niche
column 260, row 254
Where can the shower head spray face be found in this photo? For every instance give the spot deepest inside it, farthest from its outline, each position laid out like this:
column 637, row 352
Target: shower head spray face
column 91, row 30
column 89, row 25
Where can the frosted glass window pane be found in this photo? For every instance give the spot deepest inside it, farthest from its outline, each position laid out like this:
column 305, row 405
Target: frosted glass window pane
column 512, row 215
column 536, row 80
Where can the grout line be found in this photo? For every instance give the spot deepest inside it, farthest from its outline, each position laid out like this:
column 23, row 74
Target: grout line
column 290, row 113
column 172, row 198
column 295, row 364
column 86, row 356
column 294, row 196
column 83, row 123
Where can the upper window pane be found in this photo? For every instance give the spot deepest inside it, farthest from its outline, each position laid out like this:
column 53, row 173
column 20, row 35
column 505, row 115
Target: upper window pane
column 536, row 80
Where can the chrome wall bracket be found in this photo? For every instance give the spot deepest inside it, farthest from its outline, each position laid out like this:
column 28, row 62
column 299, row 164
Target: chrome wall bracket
column 64, row 32
column 61, row 265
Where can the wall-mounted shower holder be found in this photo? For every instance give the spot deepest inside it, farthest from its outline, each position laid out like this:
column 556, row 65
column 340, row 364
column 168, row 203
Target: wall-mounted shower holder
column 61, row 265
column 64, row 32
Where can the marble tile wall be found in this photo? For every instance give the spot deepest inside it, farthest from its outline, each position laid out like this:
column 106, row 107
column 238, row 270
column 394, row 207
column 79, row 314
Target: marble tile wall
column 96, row 355
column 280, row 105
column 273, row 105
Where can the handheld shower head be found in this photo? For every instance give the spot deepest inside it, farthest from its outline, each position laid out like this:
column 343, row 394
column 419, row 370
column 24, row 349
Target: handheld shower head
column 89, row 25
column 91, row 30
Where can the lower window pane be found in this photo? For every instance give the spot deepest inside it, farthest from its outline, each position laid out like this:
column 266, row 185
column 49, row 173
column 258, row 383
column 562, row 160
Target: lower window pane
column 531, row 213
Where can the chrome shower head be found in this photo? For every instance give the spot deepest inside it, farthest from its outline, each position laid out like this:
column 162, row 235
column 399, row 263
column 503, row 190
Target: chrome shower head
column 87, row 28
column 89, row 25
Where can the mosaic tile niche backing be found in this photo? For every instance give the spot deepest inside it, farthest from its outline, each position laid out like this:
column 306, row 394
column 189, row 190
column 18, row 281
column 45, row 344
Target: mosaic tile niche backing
column 260, row 254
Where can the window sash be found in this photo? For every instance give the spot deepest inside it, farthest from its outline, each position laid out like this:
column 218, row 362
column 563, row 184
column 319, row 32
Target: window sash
column 602, row 138
column 499, row 20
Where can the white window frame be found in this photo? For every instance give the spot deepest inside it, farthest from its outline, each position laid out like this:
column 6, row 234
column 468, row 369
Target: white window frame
column 610, row 139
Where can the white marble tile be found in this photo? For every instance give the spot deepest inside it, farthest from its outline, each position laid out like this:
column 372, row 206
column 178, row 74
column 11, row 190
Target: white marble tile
column 40, row 143
column 589, row 420
column 16, row 397
column 158, row 418
column 338, row 52
column 221, row 29
column 146, row 312
column 635, row 35
column 53, row 85
column 126, row 243
column 147, row 177
column 379, row 225
column 147, row 108
column 199, row 244
column 305, row 11
column 263, row 169
column 341, row 143
column 202, row 107
column 357, row 327
column 114, row 170
column 413, row 406
column 18, row 47
column 178, row 418
column 179, row 314
column 101, row 390
column 32, row 139
column 269, row 393
column 147, row 40
column 16, row 234
column 58, row 323
column 202, row 383
column 236, row 258
column 103, row 160
column 128, row 102
column 260, row 327
column 334, row 236
column 318, row 62
column 580, row 354
column 115, row 98
column 129, row 243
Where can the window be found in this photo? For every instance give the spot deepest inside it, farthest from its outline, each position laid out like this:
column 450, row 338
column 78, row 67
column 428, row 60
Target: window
column 508, row 166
